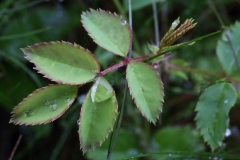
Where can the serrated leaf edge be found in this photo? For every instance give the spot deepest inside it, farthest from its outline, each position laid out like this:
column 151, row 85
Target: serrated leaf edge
column 100, row 11
column 199, row 127
column 58, row 42
column 161, row 101
column 29, row 96
column 94, row 146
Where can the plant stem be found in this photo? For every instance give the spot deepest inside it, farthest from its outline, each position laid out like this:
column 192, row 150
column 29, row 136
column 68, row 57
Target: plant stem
column 125, row 92
column 202, row 72
column 155, row 15
column 15, row 147
column 123, row 63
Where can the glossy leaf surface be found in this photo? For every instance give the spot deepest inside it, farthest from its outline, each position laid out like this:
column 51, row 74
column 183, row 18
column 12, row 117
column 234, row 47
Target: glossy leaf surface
column 226, row 45
column 146, row 89
column 63, row 62
column 44, row 105
column 97, row 117
column 101, row 90
column 108, row 30
column 212, row 112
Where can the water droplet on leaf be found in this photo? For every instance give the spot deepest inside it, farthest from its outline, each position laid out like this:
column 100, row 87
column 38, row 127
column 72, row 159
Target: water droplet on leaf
column 47, row 103
column 226, row 101
column 54, row 106
column 78, row 122
column 28, row 112
column 101, row 90
column 123, row 22
column 68, row 99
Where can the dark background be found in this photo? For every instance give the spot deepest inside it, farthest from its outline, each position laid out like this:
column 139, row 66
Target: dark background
column 59, row 140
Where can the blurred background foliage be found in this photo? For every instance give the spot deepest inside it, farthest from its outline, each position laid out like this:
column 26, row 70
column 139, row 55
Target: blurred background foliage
column 25, row 22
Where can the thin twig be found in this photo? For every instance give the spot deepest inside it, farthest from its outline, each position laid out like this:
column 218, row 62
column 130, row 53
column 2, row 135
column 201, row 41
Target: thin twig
column 15, row 147
column 125, row 92
column 229, row 40
column 156, row 27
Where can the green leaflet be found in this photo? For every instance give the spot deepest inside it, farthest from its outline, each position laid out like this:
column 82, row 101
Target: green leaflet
column 146, row 88
column 44, row 105
column 97, row 116
column 63, row 62
column 224, row 50
column 101, row 90
column 212, row 112
column 108, row 30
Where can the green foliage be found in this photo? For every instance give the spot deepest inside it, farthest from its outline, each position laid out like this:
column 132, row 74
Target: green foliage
column 227, row 46
column 126, row 146
column 177, row 139
column 97, row 117
column 212, row 112
column 147, row 96
column 108, row 30
column 71, row 65
column 63, row 62
column 44, row 105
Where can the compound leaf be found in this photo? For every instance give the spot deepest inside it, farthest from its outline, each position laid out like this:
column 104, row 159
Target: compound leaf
column 108, row 30
column 212, row 112
column 63, row 62
column 226, row 45
column 146, row 89
column 98, row 114
column 44, row 105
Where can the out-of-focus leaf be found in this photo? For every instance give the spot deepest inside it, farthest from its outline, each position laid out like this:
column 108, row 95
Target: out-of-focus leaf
column 98, row 114
column 15, row 84
column 63, row 62
column 126, row 146
column 153, row 48
column 224, row 48
column 138, row 4
column 108, row 30
column 212, row 112
column 146, row 88
column 180, row 74
column 44, row 105
column 177, row 139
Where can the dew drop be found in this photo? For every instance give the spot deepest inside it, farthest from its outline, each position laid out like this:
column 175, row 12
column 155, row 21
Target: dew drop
column 228, row 132
column 78, row 122
column 54, row 106
column 226, row 101
column 28, row 112
column 68, row 99
column 123, row 22
column 47, row 103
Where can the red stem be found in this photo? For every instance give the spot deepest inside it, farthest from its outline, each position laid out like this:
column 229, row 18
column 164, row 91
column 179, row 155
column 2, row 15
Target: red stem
column 121, row 64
